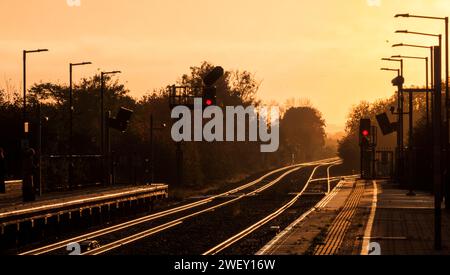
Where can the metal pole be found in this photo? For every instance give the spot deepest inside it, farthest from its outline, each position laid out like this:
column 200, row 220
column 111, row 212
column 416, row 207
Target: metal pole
column 362, row 160
column 24, row 90
column 444, row 141
column 102, row 115
column 411, row 145
column 432, row 85
column 427, row 96
column 102, row 131
column 25, row 134
column 40, row 149
column 437, row 148
column 428, row 113
column 152, row 165
column 401, row 113
column 108, row 149
column 103, row 122
column 447, row 134
column 374, row 152
column 399, row 144
column 71, row 164
column 179, row 156
column 447, row 96
column 432, row 109
column 70, row 128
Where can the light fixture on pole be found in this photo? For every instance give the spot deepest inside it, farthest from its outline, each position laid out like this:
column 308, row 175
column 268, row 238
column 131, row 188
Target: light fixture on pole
column 71, row 65
column 102, row 108
column 25, row 118
column 430, row 48
column 400, row 141
column 426, row 81
column 446, row 22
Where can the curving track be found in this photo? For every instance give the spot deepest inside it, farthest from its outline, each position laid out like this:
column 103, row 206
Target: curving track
column 120, row 236
column 224, row 245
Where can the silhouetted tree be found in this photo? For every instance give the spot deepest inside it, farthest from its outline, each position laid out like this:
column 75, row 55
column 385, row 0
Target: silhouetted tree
column 205, row 163
column 303, row 132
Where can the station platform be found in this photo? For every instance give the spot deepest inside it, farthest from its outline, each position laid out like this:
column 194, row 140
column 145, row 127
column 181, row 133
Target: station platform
column 14, row 212
column 365, row 218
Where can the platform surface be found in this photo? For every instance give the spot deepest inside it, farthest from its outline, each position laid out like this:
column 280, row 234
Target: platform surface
column 382, row 217
column 11, row 204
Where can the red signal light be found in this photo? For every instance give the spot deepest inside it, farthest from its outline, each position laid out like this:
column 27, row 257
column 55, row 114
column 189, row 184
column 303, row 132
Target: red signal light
column 209, row 96
column 365, row 128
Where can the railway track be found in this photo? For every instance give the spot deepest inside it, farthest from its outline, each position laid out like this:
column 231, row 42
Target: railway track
column 198, row 235
column 180, row 214
column 278, row 212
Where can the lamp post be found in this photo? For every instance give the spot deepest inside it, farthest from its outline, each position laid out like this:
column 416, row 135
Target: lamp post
column 437, row 148
column 446, row 104
column 431, row 74
column 411, row 110
column 426, row 81
column 411, row 122
column 431, row 49
column 400, row 140
column 28, row 187
column 71, row 65
column 395, row 60
column 25, row 117
column 393, row 70
column 398, row 123
column 400, row 98
column 447, row 89
column 423, row 34
column 102, row 108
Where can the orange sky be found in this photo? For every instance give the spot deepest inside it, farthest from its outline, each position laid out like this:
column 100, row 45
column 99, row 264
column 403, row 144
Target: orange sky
column 324, row 50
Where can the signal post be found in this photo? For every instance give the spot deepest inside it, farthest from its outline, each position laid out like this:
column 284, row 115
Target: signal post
column 368, row 143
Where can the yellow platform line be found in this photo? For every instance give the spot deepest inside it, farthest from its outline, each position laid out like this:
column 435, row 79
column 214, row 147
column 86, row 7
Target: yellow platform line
column 340, row 225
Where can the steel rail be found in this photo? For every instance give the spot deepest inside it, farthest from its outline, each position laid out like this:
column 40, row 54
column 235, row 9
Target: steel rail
column 152, row 231
column 115, row 228
column 222, row 246
column 288, row 230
